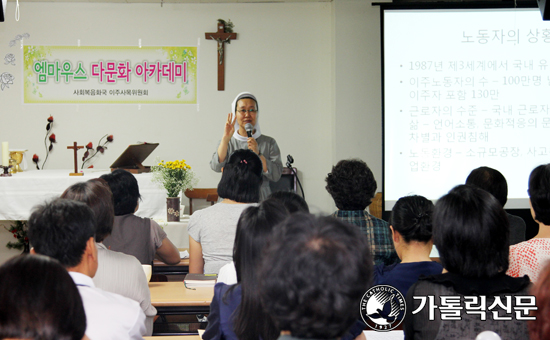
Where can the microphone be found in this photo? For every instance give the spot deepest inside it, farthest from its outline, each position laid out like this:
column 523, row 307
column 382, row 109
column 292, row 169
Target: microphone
column 289, row 161
column 248, row 127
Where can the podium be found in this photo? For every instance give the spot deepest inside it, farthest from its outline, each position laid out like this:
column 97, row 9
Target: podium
column 132, row 158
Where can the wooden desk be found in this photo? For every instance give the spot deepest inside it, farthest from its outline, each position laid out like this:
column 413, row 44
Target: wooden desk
column 172, row 298
column 162, row 268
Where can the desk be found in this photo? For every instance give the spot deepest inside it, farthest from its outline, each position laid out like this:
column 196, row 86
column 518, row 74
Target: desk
column 172, row 298
column 162, row 268
column 20, row 193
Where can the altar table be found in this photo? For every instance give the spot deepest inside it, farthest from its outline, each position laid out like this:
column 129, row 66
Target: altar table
column 20, row 193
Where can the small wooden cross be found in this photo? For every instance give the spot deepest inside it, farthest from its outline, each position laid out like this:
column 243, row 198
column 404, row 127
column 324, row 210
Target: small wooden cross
column 221, row 37
column 75, row 148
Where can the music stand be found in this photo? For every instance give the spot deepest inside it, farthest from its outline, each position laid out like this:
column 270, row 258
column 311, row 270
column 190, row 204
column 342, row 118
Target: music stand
column 132, row 158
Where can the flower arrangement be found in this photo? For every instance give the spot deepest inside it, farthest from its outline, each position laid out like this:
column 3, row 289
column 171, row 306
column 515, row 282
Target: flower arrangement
column 19, row 231
column 49, row 136
column 101, row 147
column 174, row 177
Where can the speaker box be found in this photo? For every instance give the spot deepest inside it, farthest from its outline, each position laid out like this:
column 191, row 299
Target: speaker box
column 544, row 9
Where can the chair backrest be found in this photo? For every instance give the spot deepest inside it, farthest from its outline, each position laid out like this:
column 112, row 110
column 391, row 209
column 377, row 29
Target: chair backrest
column 375, row 208
column 208, row 194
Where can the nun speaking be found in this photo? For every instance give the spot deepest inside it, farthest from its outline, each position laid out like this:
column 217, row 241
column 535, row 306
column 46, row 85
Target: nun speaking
column 242, row 131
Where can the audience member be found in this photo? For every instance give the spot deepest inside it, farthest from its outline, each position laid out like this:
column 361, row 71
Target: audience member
column 539, row 329
column 352, row 186
column 39, row 301
column 134, row 235
column 64, row 229
column 212, row 230
column 292, row 201
column 313, row 276
column 470, row 230
column 236, row 311
column 493, row 181
column 529, row 257
column 117, row 272
column 411, row 226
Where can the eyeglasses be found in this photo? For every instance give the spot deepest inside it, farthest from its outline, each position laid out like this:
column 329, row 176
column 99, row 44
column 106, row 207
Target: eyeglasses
column 251, row 111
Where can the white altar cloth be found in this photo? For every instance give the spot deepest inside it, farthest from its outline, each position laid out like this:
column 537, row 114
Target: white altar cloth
column 20, row 193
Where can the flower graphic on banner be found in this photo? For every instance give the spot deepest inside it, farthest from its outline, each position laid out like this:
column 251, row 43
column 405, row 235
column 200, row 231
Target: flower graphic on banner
column 10, row 59
column 6, row 79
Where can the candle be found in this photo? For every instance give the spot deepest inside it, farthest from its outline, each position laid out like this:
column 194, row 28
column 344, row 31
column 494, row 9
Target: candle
column 5, row 154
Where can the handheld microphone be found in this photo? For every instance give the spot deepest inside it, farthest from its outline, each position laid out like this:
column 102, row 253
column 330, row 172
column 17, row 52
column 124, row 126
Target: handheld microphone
column 248, row 127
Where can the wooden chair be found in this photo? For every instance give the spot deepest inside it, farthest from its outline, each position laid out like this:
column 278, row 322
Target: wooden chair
column 209, row 194
column 375, row 208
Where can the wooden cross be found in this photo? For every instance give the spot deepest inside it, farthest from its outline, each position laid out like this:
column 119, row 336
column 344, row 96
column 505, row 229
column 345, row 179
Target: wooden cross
column 221, row 37
column 75, row 148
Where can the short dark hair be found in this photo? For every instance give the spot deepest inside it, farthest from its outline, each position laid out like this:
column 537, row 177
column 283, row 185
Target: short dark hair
column 254, row 231
column 97, row 195
column 412, row 217
column 241, row 177
column 313, row 276
column 490, row 180
column 539, row 193
column 60, row 229
column 351, row 185
column 39, row 301
column 471, row 232
column 292, row 201
column 125, row 189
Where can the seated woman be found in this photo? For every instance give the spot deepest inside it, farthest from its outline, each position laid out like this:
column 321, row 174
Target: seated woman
column 212, row 230
column 134, row 235
column 236, row 312
column 411, row 226
column 116, row 272
column 540, row 328
column 528, row 258
column 39, row 301
column 473, row 246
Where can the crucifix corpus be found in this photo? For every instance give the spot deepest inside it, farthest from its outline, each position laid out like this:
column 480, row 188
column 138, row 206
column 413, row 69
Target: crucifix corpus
column 75, row 148
column 224, row 35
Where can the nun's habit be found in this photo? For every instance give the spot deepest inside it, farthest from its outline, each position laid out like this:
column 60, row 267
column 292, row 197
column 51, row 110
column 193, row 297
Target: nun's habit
column 267, row 146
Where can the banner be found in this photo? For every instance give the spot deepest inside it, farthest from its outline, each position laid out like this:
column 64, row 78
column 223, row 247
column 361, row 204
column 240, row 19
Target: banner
column 109, row 75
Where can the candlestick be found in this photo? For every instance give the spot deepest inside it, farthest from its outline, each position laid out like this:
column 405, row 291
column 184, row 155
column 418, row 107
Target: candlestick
column 5, row 154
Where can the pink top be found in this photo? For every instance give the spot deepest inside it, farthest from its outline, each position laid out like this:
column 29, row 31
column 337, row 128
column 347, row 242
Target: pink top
column 529, row 257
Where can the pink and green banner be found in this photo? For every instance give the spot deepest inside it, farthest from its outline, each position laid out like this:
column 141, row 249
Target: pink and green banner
column 109, row 75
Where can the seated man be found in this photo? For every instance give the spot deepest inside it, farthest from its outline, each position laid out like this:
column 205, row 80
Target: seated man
column 492, row 181
column 313, row 277
column 352, row 186
column 64, row 229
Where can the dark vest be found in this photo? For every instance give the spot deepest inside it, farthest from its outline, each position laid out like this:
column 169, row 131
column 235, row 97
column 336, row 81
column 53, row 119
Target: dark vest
column 132, row 235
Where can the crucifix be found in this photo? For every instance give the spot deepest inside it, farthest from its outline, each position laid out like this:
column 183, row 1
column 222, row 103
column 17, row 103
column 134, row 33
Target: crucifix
column 75, row 148
column 224, row 35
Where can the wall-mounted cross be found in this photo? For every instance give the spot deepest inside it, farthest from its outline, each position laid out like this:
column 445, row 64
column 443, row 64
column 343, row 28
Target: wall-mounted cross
column 221, row 37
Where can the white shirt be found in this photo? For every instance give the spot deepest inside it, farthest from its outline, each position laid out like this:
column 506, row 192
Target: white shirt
column 123, row 274
column 228, row 274
column 108, row 315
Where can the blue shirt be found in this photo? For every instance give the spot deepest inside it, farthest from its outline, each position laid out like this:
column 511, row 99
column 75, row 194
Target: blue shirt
column 403, row 275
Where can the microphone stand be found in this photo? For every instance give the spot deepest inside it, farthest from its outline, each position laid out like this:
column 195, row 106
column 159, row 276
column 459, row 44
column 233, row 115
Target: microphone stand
column 289, row 162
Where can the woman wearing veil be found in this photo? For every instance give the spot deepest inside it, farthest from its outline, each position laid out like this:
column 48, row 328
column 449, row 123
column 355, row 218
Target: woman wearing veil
column 245, row 110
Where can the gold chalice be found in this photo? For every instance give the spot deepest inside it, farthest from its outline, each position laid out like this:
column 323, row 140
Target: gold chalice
column 17, row 156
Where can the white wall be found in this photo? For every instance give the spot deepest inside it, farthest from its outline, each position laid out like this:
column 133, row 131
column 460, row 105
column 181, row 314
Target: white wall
column 282, row 54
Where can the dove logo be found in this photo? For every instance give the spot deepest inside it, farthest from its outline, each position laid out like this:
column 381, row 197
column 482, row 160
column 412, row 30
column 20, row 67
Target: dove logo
column 383, row 308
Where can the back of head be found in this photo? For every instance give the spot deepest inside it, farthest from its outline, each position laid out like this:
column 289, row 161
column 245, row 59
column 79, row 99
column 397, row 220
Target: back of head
column 471, row 232
column 292, row 201
column 60, row 229
column 540, row 328
column 412, row 218
column 539, row 193
column 490, row 180
column 97, row 195
column 351, row 184
column 39, row 301
column 125, row 189
column 313, row 276
column 254, row 231
column 241, row 177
